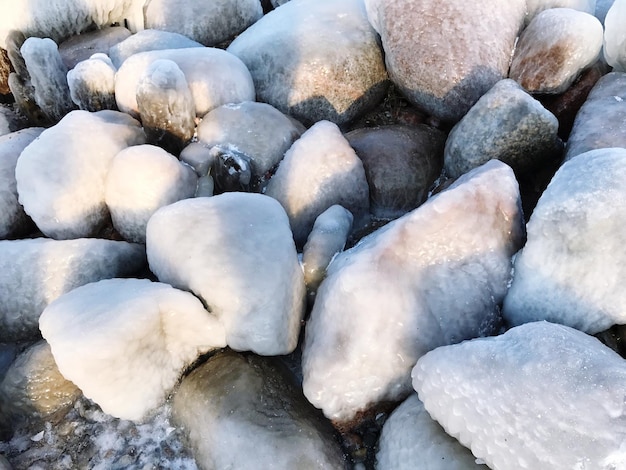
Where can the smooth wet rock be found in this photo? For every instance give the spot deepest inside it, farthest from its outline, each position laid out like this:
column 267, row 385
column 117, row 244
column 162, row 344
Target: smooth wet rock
column 554, row 48
column 319, row 170
column 34, row 272
column 432, row 277
column 598, row 123
column 61, row 176
column 539, row 396
column 231, row 169
column 92, row 83
column 315, row 60
column 235, row 252
column 401, row 164
column 83, row 46
column 125, row 342
column 244, row 412
column 615, row 36
column 142, row 179
column 444, row 56
column 505, row 124
column 571, row 265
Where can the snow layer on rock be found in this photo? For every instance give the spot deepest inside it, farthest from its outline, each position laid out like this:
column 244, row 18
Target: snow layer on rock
column 61, row 175
column 572, row 266
column 537, row 6
column 215, row 77
column 615, row 36
column 539, row 396
column 432, row 277
column 12, row 215
column 92, row 83
column 34, row 272
column 411, row 439
column 125, row 342
column 318, row 171
column 142, row 179
column 234, row 251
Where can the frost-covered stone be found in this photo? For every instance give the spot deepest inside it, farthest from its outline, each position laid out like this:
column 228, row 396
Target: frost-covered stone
column 13, row 219
column 142, row 179
column 615, row 36
column 125, row 342
column 215, row 77
column 235, row 252
column 537, row 6
column 401, row 163
column 83, row 46
column 328, row 237
column 243, row 412
column 209, row 23
column 432, row 277
column 34, row 272
column 539, row 396
column 92, row 83
column 443, row 56
column 571, row 268
column 411, row 439
column 318, row 171
column 555, row 47
column 256, row 129
column 598, row 123
column 506, row 123
column 315, row 60
column 61, row 175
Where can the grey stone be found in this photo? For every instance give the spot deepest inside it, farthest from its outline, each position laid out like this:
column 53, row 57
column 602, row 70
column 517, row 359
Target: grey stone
column 83, row 46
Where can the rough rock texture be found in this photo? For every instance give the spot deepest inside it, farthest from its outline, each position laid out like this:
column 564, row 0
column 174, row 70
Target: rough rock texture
column 83, row 46
column 445, row 55
column 572, row 262
column 432, row 277
column 615, row 36
column 506, row 124
column 554, row 48
column 315, row 60
column 92, row 83
column 243, row 412
column 5, row 69
column 539, row 396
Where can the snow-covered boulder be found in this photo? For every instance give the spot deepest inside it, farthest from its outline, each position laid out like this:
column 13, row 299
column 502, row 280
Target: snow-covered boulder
column 142, row 179
column 539, row 396
column 318, row 171
column 234, row 251
column 243, row 412
column 315, row 60
column 615, row 36
column 92, row 83
column 34, row 272
column 125, row 342
column 61, row 176
column 572, row 266
column 435, row 276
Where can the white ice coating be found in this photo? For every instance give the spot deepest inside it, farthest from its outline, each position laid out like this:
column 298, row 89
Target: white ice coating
column 615, row 36
column 94, row 76
column 535, row 7
column 125, row 342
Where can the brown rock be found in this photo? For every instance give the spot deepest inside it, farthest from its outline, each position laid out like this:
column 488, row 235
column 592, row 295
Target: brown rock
column 5, row 69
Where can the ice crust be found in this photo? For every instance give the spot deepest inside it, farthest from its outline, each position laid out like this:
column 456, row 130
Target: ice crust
column 540, row 396
column 92, row 83
column 615, row 36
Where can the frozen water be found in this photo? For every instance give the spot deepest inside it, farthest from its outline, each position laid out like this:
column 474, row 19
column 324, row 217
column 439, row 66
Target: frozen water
column 125, row 342
column 540, row 396
column 92, row 83
column 615, row 36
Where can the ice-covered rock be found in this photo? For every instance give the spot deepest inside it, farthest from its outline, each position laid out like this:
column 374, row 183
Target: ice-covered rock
column 435, row 276
column 571, row 268
column 554, row 48
column 411, row 439
column 537, row 6
column 539, row 396
column 13, row 219
column 244, row 412
column 61, row 176
column 165, row 105
column 209, row 23
column 142, row 179
column 401, row 164
column 602, row 7
column 318, row 171
column 215, row 77
column 598, row 123
column 506, row 123
column 328, row 237
column 34, row 272
column 315, row 60
column 235, row 252
column 615, row 36
column 444, row 56
column 258, row 130
column 92, row 83
column 125, row 342
column 83, row 46
column 231, row 170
